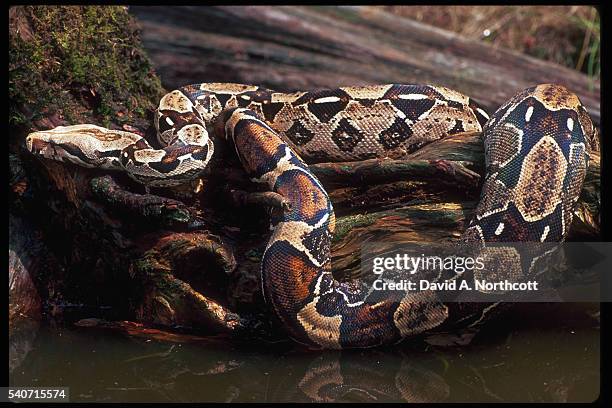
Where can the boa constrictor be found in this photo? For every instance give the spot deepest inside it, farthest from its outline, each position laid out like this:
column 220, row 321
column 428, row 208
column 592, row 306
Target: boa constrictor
column 536, row 150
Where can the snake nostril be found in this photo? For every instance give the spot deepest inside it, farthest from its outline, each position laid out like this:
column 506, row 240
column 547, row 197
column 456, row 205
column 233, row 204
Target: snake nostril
column 29, row 143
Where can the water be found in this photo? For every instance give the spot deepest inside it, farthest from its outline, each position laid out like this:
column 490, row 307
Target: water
column 537, row 353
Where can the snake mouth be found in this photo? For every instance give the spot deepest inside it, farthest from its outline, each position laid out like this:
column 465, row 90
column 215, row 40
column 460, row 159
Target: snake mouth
column 87, row 145
column 49, row 143
column 37, row 142
column 43, row 144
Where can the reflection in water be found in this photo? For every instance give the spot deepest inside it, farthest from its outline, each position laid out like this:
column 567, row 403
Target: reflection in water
column 372, row 376
column 517, row 362
column 21, row 342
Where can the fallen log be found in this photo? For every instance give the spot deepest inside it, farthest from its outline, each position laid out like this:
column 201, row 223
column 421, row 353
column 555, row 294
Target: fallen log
column 305, row 47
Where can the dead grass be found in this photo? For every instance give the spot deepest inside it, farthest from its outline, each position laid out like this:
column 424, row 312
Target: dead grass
column 567, row 35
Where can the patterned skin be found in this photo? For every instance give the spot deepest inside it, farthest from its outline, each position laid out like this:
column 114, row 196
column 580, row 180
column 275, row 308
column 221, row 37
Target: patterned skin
column 536, row 159
column 536, row 149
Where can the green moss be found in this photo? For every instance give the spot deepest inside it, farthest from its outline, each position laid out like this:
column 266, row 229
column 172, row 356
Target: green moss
column 345, row 224
column 254, row 255
column 83, row 62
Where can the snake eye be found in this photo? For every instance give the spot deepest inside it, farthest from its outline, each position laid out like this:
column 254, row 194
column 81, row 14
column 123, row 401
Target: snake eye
column 165, row 123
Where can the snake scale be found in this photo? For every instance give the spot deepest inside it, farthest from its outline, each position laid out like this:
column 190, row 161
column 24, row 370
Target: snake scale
column 536, row 152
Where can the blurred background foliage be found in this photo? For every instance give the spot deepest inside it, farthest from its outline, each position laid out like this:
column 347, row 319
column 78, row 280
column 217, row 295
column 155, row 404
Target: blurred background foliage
column 567, row 35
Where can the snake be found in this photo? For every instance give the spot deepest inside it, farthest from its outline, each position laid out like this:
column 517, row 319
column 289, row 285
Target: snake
column 536, row 147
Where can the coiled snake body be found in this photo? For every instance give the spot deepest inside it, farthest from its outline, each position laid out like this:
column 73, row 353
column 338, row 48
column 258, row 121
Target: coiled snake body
column 536, row 152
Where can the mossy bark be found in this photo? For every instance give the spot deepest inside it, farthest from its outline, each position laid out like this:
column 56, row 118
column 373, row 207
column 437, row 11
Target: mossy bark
column 79, row 63
column 68, row 65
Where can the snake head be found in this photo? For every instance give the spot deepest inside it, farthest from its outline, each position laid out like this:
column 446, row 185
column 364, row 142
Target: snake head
column 85, row 145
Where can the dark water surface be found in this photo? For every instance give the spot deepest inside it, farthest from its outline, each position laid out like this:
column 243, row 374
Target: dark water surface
column 538, row 353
